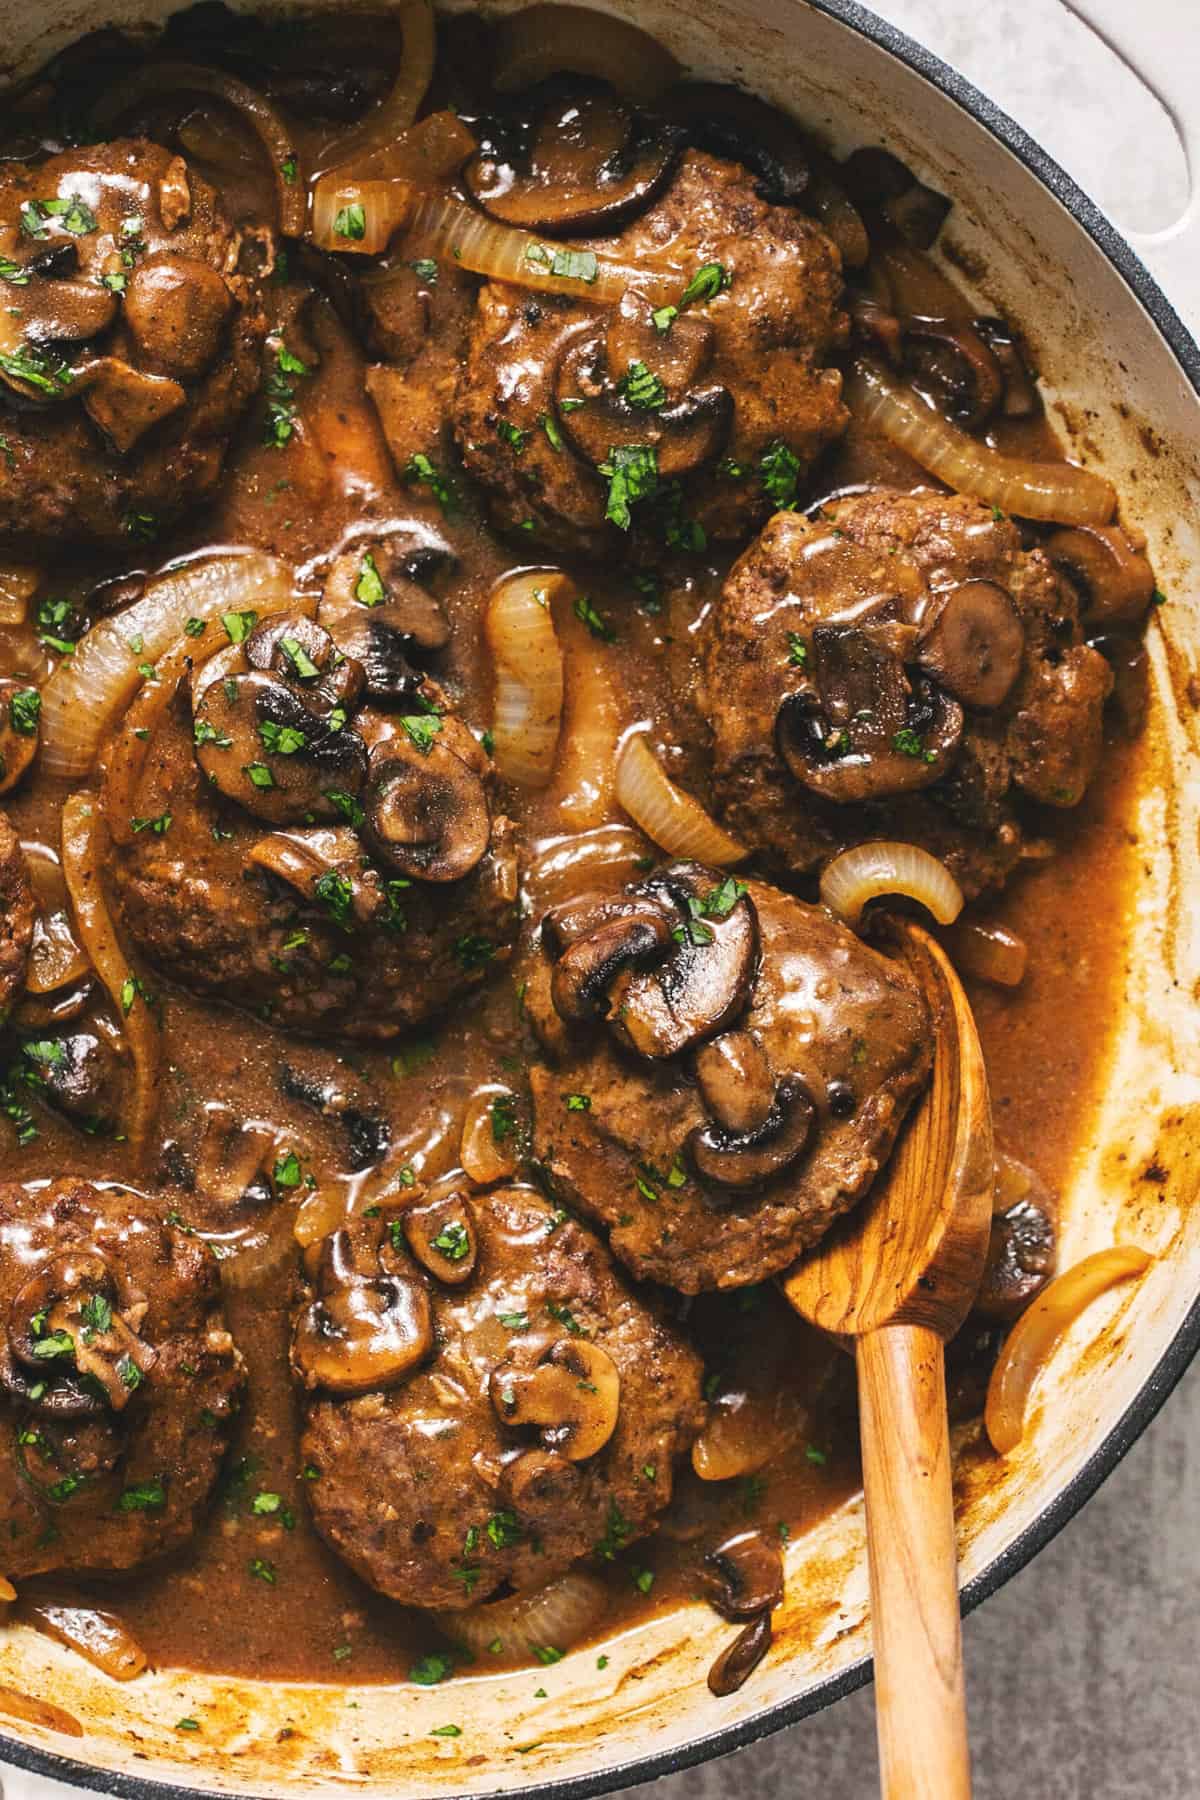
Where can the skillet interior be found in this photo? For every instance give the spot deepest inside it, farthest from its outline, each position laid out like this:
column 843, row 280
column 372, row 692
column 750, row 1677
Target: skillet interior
column 1132, row 409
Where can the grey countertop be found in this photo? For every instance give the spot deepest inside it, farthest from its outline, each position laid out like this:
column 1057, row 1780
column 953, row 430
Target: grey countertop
column 1084, row 1672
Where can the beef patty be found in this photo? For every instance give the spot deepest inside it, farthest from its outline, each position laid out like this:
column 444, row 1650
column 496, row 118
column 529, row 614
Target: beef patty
column 136, row 348
column 118, row 1379
column 491, row 1417
column 723, row 403
column 727, row 1071
column 899, row 667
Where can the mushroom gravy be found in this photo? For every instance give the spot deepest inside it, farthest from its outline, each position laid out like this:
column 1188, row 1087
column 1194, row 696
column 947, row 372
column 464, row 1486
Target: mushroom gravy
column 322, row 468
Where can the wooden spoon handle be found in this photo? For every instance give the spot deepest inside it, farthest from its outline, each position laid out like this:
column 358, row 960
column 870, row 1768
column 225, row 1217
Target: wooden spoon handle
column 920, row 1699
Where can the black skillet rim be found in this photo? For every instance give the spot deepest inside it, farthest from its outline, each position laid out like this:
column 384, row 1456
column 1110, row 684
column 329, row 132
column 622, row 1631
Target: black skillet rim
column 1183, row 1346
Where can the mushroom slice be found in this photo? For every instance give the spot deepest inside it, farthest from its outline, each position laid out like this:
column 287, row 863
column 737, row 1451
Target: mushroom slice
column 623, row 409
column 83, row 1079
column 705, row 981
column 176, row 309
column 20, row 714
column 427, row 811
column 974, row 643
column 1023, row 1247
column 732, row 123
column 262, row 746
column 678, row 358
column 738, row 1661
column 378, row 610
column 866, row 731
column 125, row 402
column 365, row 1330
column 736, row 1081
column 58, row 311
column 572, row 919
column 573, row 1394
column 295, row 647
column 63, row 1320
column 745, row 1159
column 586, row 971
column 1116, row 581
column 743, row 1576
column 444, row 1237
column 540, row 1478
column 952, row 360
column 586, row 164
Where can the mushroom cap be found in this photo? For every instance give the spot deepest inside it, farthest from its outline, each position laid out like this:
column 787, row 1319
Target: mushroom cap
column 705, row 980
column 259, row 743
column 571, row 157
column 865, row 730
column 974, row 643
column 427, row 812
column 736, row 1080
column 586, row 970
column 743, row 1576
column 686, row 429
column 177, row 308
column 746, row 1159
column 443, row 1236
column 1116, row 581
column 573, row 1393
column 366, row 1328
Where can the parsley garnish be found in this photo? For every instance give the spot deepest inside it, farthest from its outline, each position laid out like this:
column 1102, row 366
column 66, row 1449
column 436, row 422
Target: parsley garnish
column 596, row 623
column 706, row 284
column 780, row 475
column 632, row 473
column 641, row 388
column 369, row 589
column 351, row 221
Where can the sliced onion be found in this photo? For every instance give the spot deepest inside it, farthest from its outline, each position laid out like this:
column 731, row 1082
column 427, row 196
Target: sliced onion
column 95, row 1633
column 85, row 851
column 8, row 1592
column 1031, row 490
column 583, row 782
column 576, row 40
column 384, row 207
column 868, row 871
column 387, row 183
column 528, row 661
column 833, row 206
column 401, row 104
column 19, row 582
column 745, row 1431
column 485, row 1157
column 677, row 823
column 154, row 80
column 88, row 690
column 561, row 865
column 449, row 229
column 989, row 952
column 1031, row 1340
column 16, row 1705
column 552, row 1618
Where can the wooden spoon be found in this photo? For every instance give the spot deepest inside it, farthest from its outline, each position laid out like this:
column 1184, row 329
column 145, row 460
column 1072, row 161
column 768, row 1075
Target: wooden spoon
column 898, row 1276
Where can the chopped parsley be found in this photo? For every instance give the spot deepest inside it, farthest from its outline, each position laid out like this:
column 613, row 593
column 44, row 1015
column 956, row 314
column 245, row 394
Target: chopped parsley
column 474, row 952
column 239, row 625
column 280, row 391
column 566, row 265
column 159, row 826
column 419, row 468
column 287, row 1172
column 336, row 894
column 354, row 815
column 504, row 1117
column 664, row 317
column 549, row 425
column 351, row 222
column 595, row 621
column 425, row 269
column 431, row 1669
column 204, row 733
column 566, row 1317
column 797, row 650
column 910, row 743
column 780, row 470
column 13, row 273
column 516, row 1321
column 258, row 775
column 512, row 435
column 617, row 1533
column 422, row 728
column 642, row 389
column 281, row 740
column 143, row 1496
column 447, row 1731
column 720, row 901
column 369, row 589
column 288, row 168
column 708, row 281
column 24, row 711
column 632, row 474
column 303, row 664
column 578, row 1102
column 504, row 1530
column 453, row 1241
column 37, row 368
column 263, row 1570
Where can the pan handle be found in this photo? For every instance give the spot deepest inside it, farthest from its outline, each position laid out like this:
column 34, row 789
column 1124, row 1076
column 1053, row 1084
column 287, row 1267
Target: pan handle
column 1162, row 48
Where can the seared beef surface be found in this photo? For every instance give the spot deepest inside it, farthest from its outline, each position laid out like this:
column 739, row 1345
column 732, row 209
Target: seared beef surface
column 628, row 1139
column 139, row 344
column 423, row 1488
column 880, row 566
column 744, row 370
column 118, row 1379
column 18, row 913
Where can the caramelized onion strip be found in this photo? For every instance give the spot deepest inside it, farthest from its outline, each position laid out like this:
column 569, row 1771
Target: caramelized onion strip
column 447, row 228
column 869, row 871
column 401, row 104
column 88, row 690
column 528, row 662
column 675, row 821
column 1031, row 490
column 95, row 1633
column 1031, row 1340
column 552, row 1618
column 387, row 184
column 989, row 952
column 155, row 79
column 542, row 41
column 85, row 851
